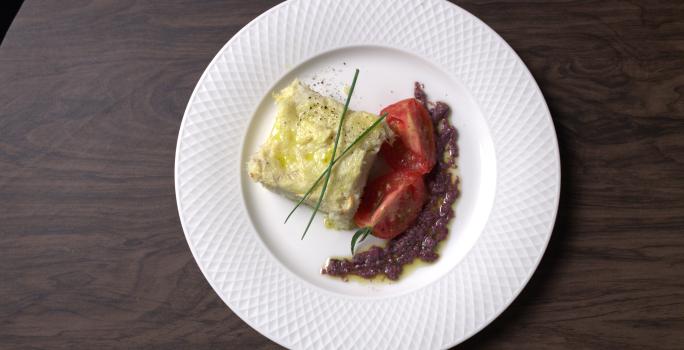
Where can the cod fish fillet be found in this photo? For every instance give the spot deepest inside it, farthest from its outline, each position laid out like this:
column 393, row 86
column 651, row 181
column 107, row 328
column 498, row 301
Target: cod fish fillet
column 300, row 145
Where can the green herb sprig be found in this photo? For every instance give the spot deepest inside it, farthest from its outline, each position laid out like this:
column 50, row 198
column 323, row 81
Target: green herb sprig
column 332, row 158
column 346, row 150
column 360, row 233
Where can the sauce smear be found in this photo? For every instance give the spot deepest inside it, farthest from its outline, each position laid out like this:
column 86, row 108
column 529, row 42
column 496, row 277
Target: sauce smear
column 421, row 239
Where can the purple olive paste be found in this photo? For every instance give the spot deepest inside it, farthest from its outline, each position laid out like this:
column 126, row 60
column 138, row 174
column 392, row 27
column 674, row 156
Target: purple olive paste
column 421, row 239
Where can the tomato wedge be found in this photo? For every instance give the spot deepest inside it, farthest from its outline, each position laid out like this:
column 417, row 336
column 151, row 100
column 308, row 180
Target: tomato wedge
column 414, row 148
column 391, row 203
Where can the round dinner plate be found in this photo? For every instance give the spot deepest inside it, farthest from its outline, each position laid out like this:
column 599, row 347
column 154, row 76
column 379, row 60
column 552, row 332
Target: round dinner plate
column 509, row 169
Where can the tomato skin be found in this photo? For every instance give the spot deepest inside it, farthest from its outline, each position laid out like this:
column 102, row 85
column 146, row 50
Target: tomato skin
column 414, row 147
column 391, row 203
column 399, row 157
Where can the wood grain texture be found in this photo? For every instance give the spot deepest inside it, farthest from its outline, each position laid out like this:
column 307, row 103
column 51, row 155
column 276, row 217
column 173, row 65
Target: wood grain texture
column 92, row 254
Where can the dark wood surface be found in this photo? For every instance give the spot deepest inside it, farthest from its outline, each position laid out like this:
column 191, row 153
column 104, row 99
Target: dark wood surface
column 92, row 254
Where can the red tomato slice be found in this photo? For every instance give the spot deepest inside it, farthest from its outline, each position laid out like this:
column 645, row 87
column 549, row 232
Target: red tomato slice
column 391, row 203
column 414, row 148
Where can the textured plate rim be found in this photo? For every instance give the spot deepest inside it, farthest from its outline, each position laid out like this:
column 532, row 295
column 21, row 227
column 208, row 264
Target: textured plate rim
column 556, row 203
column 548, row 120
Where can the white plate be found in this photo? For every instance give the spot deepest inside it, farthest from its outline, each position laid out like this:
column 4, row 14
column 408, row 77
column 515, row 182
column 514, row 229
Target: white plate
column 509, row 164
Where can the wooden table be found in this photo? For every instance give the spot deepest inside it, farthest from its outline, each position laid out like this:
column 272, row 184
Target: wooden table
column 92, row 254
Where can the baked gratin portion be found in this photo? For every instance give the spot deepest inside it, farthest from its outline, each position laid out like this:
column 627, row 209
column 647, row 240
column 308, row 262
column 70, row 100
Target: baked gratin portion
column 299, row 149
